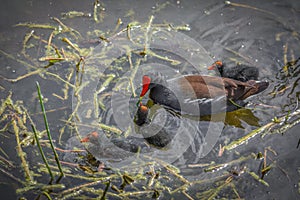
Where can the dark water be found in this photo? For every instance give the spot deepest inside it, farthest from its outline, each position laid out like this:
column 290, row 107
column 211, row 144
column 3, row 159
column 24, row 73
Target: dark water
column 264, row 34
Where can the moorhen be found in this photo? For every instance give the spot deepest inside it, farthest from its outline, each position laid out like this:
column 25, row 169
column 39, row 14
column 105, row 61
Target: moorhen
column 113, row 149
column 240, row 72
column 155, row 132
column 200, row 95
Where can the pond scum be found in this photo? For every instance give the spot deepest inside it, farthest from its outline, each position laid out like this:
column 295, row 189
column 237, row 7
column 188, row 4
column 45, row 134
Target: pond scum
column 56, row 179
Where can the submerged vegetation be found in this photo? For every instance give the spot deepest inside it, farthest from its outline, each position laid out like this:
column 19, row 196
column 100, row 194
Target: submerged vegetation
column 40, row 149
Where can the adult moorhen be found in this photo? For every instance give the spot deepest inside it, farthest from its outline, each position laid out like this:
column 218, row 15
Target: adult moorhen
column 239, row 72
column 200, row 95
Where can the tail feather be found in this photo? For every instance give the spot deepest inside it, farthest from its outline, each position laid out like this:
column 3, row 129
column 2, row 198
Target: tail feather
column 261, row 85
column 257, row 87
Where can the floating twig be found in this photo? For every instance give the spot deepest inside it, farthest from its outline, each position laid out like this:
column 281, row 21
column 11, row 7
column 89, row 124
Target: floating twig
column 256, row 177
column 12, row 176
column 265, row 130
column 61, row 79
column 18, row 60
column 21, row 154
column 119, row 22
column 14, row 80
column 46, row 194
column 66, row 28
column 110, row 128
column 73, row 14
column 217, row 167
column 172, row 61
column 33, row 25
column 172, row 169
column 76, row 188
column 147, row 36
column 95, row 11
column 25, row 41
column 9, row 163
column 74, row 46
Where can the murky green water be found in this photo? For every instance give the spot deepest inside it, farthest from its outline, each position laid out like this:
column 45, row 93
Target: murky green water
column 260, row 33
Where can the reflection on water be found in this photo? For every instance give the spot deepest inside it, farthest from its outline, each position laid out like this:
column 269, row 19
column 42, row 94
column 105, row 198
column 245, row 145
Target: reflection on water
column 264, row 34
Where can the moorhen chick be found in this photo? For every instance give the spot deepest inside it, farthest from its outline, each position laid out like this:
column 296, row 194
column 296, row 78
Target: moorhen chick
column 113, row 149
column 200, row 95
column 155, row 132
column 239, row 72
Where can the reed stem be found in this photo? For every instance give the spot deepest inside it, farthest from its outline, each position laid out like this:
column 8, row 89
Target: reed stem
column 41, row 151
column 48, row 130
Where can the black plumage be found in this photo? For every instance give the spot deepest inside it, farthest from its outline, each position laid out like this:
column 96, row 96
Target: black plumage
column 240, row 72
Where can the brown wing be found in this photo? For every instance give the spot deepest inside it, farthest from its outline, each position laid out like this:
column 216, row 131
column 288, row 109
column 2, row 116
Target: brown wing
column 202, row 86
column 212, row 87
column 196, row 86
column 255, row 88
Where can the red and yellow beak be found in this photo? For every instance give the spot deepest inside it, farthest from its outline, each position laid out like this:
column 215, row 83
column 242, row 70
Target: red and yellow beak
column 146, row 84
column 143, row 108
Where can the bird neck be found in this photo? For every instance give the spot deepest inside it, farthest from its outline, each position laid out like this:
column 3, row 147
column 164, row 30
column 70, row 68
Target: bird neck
column 221, row 69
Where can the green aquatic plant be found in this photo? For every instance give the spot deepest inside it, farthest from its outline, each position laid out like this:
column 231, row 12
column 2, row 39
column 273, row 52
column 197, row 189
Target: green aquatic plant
column 48, row 133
